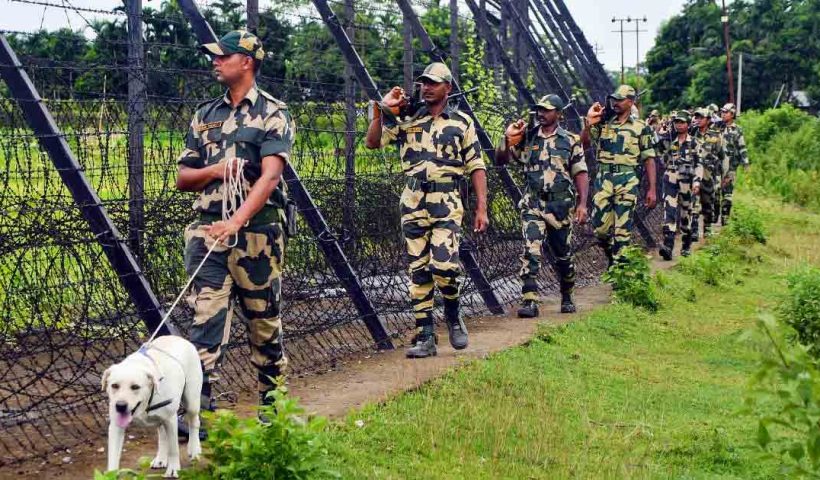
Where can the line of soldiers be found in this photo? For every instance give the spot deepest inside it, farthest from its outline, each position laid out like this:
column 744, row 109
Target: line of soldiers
column 439, row 151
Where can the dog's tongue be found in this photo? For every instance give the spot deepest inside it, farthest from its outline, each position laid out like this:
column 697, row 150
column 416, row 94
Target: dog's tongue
column 123, row 419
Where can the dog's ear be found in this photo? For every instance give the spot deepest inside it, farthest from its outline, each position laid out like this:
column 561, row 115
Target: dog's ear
column 104, row 381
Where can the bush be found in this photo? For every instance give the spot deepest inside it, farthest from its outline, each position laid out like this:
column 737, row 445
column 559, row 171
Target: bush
column 631, row 281
column 291, row 446
column 801, row 307
column 747, row 225
column 784, row 395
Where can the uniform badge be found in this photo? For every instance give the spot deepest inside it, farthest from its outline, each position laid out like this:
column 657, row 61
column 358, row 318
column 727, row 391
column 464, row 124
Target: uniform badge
column 208, row 126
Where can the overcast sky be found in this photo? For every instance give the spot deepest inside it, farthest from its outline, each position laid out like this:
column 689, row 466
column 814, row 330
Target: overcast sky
column 593, row 16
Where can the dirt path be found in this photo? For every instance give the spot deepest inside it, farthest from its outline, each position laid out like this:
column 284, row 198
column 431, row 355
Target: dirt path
column 367, row 378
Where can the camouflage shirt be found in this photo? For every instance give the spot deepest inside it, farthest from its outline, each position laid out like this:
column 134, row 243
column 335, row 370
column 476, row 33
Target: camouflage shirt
column 735, row 145
column 623, row 144
column 258, row 127
column 550, row 160
column 436, row 148
column 683, row 156
column 713, row 156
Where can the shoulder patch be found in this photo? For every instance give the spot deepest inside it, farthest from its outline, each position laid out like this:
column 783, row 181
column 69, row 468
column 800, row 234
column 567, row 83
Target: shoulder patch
column 204, row 104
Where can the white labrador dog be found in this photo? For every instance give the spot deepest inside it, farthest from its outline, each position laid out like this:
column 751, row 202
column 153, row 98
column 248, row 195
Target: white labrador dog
column 147, row 388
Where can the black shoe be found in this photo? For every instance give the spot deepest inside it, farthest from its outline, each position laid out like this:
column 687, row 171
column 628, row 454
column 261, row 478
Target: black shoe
column 264, row 400
column 455, row 325
column 182, row 429
column 567, row 305
column 665, row 252
column 425, row 346
column 686, row 248
column 529, row 309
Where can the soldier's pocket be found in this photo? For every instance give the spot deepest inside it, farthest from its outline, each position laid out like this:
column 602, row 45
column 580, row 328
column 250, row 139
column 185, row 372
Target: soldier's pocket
column 560, row 209
column 276, row 237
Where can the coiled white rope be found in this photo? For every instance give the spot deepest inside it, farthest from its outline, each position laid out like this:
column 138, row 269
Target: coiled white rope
column 233, row 196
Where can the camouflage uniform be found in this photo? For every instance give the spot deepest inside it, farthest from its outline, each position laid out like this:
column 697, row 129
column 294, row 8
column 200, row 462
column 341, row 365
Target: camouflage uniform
column 683, row 172
column 715, row 163
column 437, row 153
column 619, row 149
column 735, row 147
column 549, row 164
column 259, row 126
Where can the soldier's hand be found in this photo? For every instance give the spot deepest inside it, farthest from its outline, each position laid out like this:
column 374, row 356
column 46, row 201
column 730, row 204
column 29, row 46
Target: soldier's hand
column 221, row 230
column 394, row 98
column 481, row 221
column 581, row 215
column 515, row 132
column 651, row 199
column 594, row 114
column 696, row 189
column 221, row 173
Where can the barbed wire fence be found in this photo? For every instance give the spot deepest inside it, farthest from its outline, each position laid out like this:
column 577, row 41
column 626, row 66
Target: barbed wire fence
column 66, row 314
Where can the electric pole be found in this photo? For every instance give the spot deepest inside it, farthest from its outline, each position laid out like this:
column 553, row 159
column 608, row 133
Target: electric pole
column 637, row 31
column 725, row 20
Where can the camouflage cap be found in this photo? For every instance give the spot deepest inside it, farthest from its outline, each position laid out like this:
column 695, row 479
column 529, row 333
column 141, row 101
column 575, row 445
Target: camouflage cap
column 712, row 108
column 437, row 72
column 703, row 112
column 729, row 107
column 550, row 102
column 654, row 113
column 236, row 41
column 681, row 116
column 624, row 91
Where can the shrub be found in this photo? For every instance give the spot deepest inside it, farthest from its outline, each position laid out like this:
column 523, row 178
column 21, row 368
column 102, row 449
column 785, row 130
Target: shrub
column 800, row 309
column 747, row 225
column 631, row 281
column 291, row 446
column 784, row 395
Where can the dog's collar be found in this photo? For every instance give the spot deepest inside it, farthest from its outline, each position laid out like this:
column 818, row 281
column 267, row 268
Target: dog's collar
column 144, row 350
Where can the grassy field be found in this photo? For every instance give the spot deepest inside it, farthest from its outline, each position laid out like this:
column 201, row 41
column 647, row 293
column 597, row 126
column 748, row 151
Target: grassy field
column 619, row 394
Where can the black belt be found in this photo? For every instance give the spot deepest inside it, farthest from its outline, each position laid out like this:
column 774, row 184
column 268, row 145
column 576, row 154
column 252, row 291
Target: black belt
column 556, row 196
column 417, row 184
column 265, row 216
column 615, row 168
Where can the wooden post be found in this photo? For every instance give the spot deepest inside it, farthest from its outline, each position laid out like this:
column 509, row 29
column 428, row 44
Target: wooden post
column 350, row 137
column 407, row 36
column 137, row 99
column 253, row 16
column 454, row 41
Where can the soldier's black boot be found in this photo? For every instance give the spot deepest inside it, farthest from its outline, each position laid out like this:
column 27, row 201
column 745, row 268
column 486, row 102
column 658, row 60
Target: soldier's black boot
column 724, row 214
column 424, row 343
column 686, row 246
column 696, row 228
column 668, row 245
column 607, row 248
column 265, row 399
column 455, row 324
column 207, row 402
column 707, row 230
column 567, row 305
column 529, row 309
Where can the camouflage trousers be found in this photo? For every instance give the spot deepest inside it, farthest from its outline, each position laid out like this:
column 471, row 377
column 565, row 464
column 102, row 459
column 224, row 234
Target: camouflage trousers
column 249, row 272
column 551, row 222
column 726, row 194
column 616, row 194
column 708, row 202
column 677, row 205
column 431, row 224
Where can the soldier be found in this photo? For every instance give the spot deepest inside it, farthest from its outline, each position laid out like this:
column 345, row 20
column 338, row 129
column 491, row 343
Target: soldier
column 251, row 132
column 439, row 147
column 681, row 180
column 715, row 164
column 735, row 146
column 551, row 158
column 621, row 141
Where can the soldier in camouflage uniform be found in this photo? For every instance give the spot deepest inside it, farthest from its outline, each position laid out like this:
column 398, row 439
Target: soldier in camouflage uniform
column 438, row 147
column 715, row 163
column 250, row 125
column 735, row 146
column 620, row 143
column 681, row 180
column 551, row 158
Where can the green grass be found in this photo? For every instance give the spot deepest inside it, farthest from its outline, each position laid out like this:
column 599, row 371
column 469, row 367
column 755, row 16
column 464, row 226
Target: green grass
column 621, row 393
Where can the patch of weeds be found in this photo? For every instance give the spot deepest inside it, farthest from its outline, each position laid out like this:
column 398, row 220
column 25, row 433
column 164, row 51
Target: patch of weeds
column 631, row 280
column 800, row 309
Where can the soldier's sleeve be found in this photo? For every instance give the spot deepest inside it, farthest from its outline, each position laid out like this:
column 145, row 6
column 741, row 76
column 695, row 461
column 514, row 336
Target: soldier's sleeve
column 741, row 146
column 280, row 132
column 577, row 162
column 471, row 150
column 190, row 157
column 645, row 144
column 725, row 164
column 700, row 152
column 516, row 151
column 595, row 132
column 390, row 131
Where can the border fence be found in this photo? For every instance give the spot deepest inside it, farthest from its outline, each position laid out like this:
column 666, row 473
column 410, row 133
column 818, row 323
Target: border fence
column 91, row 223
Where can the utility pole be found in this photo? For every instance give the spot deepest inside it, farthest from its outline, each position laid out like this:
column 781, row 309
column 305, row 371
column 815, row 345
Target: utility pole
column 739, row 81
column 637, row 44
column 725, row 20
